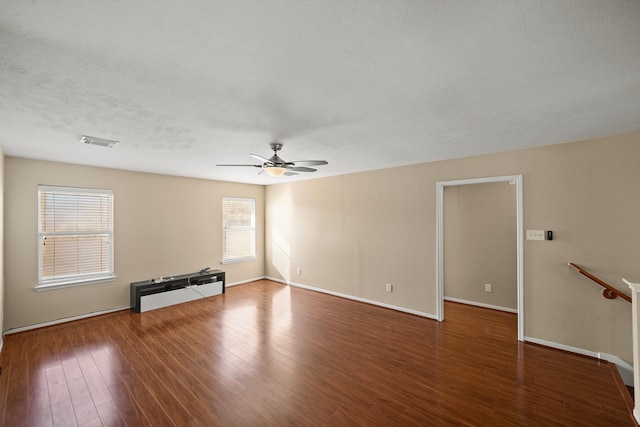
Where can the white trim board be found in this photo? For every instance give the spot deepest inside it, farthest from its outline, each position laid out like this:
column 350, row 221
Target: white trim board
column 96, row 313
column 242, row 282
column 625, row 369
column 351, row 297
column 480, row 304
column 64, row 320
column 517, row 179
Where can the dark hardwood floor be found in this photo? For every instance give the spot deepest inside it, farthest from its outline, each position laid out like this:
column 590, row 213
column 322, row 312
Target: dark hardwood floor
column 265, row 354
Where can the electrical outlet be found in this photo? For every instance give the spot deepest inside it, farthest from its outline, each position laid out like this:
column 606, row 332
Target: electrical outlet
column 487, row 287
column 389, row 287
column 299, row 271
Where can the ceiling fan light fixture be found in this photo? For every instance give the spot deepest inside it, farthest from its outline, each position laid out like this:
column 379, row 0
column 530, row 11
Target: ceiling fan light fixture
column 275, row 171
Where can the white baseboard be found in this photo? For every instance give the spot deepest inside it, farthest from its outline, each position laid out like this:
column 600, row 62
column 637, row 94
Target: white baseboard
column 64, row 320
column 625, row 369
column 351, row 297
column 242, row 282
column 480, row 304
column 95, row 313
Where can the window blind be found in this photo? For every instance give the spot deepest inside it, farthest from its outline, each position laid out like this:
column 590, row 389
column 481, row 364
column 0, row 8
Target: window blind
column 238, row 216
column 75, row 234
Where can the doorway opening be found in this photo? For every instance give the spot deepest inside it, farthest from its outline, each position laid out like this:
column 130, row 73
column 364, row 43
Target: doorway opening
column 440, row 186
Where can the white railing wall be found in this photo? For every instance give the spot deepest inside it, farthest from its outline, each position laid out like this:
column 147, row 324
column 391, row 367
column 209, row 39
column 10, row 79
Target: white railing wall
column 635, row 294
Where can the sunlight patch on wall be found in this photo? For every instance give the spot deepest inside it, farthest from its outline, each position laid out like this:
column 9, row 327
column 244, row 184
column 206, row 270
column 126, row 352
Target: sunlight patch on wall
column 281, row 254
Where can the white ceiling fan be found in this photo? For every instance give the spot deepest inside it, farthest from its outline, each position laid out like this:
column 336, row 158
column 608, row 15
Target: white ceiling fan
column 276, row 166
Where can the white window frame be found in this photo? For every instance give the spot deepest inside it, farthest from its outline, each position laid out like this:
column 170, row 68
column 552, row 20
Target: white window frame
column 75, row 279
column 252, row 227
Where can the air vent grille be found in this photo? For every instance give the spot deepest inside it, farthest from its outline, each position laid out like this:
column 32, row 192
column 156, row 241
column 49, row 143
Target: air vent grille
column 92, row 140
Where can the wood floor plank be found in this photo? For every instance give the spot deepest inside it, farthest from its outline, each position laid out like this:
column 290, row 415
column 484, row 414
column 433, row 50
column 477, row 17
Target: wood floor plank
column 4, row 391
column 110, row 415
column 81, row 400
column 150, row 391
column 27, row 401
column 118, row 381
column 97, row 387
column 63, row 414
column 264, row 354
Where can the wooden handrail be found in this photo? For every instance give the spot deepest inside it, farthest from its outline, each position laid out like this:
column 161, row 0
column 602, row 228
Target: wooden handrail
column 609, row 291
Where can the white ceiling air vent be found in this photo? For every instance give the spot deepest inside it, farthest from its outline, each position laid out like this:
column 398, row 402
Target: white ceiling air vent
column 98, row 141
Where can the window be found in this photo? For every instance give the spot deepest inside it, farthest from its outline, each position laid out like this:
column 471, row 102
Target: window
column 75, row 236
column 238, row 230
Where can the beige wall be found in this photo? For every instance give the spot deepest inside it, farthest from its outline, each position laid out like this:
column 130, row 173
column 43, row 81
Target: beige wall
column 163, row 226
column 354, row 233
column 480, row 243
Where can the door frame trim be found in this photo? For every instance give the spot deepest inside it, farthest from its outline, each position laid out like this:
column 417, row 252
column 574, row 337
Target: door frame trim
column 440, row 185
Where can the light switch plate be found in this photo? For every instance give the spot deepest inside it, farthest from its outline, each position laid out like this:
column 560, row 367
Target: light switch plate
column 535, row 235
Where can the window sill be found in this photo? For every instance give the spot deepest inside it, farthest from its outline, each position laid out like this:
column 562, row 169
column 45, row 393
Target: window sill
column 73, row 283
column 233, row 261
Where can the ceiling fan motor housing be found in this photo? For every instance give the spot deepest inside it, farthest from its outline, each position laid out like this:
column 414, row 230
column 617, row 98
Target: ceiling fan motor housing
column 275, row 160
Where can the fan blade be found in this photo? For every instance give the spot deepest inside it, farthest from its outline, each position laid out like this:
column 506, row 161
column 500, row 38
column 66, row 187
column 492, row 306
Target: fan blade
column 257, row 157
column 301, row 169
column 255, row 166
column 310, row 162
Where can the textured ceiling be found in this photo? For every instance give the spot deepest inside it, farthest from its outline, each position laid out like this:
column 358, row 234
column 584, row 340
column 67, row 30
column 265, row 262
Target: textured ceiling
column 362, row 84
